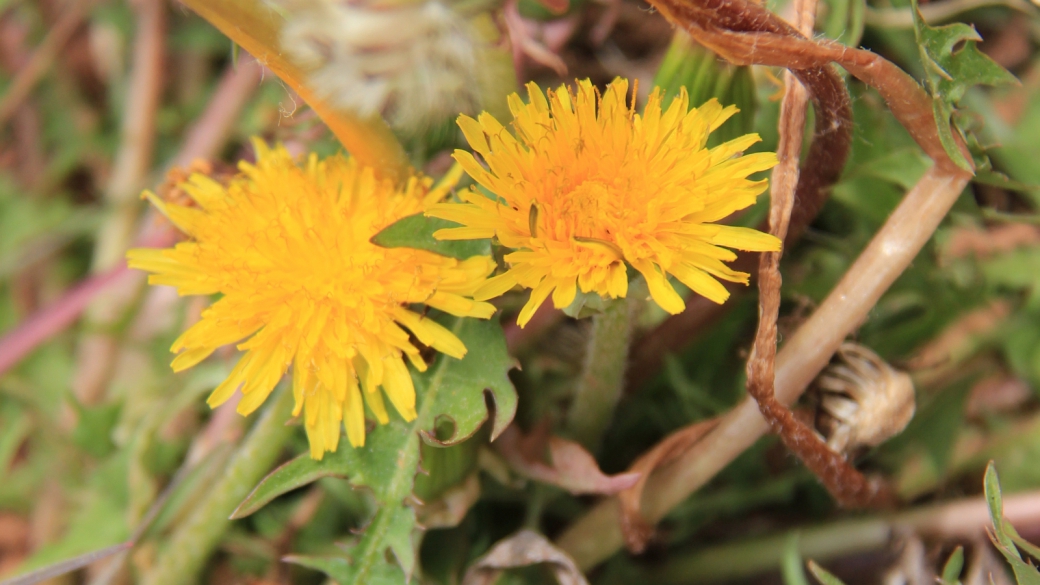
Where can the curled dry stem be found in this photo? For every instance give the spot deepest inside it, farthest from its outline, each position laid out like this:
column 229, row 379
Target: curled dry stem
column 841, row 479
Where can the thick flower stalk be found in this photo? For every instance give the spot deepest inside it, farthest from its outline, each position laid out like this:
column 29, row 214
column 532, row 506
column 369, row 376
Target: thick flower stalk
column 587, row 186
column 287, row 248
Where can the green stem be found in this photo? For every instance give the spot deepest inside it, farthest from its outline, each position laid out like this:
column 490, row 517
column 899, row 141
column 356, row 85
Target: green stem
column 603, row 375
column 187, row 550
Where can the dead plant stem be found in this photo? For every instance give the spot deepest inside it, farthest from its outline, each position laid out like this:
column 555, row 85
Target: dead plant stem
column 842, row 480
column 964, row 519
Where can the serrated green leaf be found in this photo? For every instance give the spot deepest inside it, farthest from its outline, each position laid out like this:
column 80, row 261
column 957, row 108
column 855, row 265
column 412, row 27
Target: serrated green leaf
column 822, row 575
column 416, row 231
column 393, row 529
column 342, row 570
column 450, row 390
column 370, row 466
column 952, row 569
column 952, row 64
column 401, row 539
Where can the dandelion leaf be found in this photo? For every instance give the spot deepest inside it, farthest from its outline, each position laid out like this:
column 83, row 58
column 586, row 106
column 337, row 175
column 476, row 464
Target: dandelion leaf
column 450, row 390
column 952, row 64
column 393, row 530
column 416, row 231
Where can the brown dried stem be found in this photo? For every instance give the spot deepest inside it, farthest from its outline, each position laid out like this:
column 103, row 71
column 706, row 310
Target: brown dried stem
column 842, row 480
column 832, row 141
column 964, row 519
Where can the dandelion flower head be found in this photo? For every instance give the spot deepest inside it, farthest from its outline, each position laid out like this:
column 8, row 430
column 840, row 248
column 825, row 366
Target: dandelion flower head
column 287, row 247
column 586, row 186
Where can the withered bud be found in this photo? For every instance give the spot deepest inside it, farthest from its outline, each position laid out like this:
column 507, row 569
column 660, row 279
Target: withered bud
column 414, row 61
column 862, row 401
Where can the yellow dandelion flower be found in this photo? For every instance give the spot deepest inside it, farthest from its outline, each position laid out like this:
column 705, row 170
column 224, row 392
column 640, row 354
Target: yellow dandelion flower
column 287, row 248
column 587, row 185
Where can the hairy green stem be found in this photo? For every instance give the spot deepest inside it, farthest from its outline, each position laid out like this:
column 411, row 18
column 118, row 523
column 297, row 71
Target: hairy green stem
column 189, row 547
column 603, row 375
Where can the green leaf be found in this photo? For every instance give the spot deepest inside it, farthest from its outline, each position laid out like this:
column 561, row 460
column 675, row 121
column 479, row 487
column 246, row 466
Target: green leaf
column 93, row 433
column 791, row 564
column 843, row 21
column 450, row 390
column 1023, row 544
column 952, row 64
column 58, row 569
column 689, row 64
column 416, row 231
column 952, row 569
column 342, row 570
column 991, row 486
column 1025, row 573
column 822, row 575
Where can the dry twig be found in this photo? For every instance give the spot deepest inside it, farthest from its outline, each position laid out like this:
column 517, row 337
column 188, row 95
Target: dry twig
column 842, row 480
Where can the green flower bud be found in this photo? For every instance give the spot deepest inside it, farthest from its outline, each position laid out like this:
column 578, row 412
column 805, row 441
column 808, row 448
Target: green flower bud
column 706, row 76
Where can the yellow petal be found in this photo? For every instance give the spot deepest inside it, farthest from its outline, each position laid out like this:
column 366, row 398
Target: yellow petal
column 660, row 289
column 538, row 296
column 397, row 383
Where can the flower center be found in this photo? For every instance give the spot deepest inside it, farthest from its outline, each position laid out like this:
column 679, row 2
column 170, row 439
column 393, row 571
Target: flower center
column 590, row 209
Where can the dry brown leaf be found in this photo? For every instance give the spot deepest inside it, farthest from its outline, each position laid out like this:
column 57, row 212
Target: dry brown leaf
column 636, row 530
column 958, row 337
column 569, row 465
column 520, row 550
column 972, row 241
column 449, row 509
column 997, row 393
